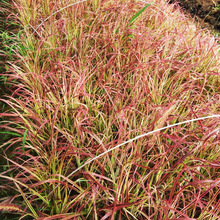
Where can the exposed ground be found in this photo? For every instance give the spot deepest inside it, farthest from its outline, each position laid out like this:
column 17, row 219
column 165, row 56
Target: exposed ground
column 208, row 12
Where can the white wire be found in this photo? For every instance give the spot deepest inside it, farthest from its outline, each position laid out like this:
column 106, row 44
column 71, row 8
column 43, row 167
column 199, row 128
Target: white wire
column 35, row 30
column 140, row 136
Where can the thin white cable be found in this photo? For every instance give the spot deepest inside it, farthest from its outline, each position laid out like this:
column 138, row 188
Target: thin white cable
column 35, row 30
column 140, row 136
column 133, row 139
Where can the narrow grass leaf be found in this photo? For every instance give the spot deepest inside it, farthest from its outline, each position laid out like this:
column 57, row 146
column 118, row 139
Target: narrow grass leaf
column 24, row 139
column 10, row 133
column 26, row 201
column 138, row 14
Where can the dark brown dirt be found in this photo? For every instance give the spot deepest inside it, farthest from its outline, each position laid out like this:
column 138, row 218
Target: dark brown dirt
column 206, row 12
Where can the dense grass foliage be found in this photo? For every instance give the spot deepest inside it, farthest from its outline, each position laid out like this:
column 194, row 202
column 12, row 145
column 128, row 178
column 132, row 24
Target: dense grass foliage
column 93, row 74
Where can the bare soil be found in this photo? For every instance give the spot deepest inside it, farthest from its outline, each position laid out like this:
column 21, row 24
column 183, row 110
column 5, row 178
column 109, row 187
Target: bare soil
column 207, row 12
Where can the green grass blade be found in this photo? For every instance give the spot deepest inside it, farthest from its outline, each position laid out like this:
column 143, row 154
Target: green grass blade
column 138, row 13
column 10, row 133
column 24, row 139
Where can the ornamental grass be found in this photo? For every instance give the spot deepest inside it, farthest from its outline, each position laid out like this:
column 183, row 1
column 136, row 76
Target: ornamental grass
column 89, row 80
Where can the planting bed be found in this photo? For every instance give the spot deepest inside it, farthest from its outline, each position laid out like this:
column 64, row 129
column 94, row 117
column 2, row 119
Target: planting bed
column 114, row 112
column 207, row 10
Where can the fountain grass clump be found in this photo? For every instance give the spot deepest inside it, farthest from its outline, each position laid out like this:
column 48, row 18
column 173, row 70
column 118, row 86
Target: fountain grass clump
column 90, row 75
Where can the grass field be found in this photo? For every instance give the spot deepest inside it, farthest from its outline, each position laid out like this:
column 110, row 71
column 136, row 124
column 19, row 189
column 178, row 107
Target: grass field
column 113, row 112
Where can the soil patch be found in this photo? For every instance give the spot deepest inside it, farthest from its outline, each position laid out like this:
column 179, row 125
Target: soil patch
column 207, row 12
